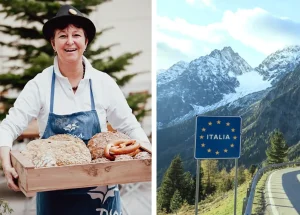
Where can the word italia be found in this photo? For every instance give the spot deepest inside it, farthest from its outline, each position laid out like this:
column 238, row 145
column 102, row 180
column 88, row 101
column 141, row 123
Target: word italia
column 217, row 137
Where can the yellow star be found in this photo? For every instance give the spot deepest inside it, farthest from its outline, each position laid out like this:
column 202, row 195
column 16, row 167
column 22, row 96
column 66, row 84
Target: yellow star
column 203, row 129
column 210, row 123
column 233, row 130
column 203, row 144
column 232, row 145
column 208, row 150
column 219, row 122
column 234, row 137
column 201, row 137
column 225, row 150
column 227, row 124
column 217, row 152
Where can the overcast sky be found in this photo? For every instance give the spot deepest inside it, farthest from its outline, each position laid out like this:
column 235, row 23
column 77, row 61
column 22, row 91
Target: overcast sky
column 193, row 28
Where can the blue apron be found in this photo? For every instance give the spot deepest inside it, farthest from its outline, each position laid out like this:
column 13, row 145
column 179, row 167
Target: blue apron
column 103, row 200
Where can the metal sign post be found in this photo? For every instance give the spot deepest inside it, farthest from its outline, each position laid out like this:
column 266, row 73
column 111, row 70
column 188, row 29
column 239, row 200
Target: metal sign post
column 235, row 184
column 217, row 137
column 197, row 186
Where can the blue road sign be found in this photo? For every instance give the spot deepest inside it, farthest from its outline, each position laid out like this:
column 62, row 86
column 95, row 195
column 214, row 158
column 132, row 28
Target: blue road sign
column 218, row 137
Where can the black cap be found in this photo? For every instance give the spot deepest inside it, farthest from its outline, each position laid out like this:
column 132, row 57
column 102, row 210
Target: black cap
column 69, row 14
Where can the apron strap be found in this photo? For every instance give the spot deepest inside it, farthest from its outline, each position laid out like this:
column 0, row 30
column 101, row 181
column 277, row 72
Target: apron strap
column 53, row 88
column 91, row 95
column 52, row 92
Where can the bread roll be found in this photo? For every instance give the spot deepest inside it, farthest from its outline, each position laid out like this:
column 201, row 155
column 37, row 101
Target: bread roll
column 98, row 142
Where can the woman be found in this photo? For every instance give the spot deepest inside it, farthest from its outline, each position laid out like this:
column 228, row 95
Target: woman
column 70, row 92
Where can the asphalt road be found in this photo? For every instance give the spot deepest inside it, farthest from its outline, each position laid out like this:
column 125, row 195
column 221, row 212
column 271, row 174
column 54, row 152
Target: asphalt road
column 283, row 192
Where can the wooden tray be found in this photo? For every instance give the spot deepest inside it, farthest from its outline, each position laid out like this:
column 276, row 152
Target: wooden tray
column 32, row 180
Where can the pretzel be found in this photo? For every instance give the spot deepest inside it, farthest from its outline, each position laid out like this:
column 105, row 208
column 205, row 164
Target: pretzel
column 106, row 152
column 132, row 154
column 121, row 147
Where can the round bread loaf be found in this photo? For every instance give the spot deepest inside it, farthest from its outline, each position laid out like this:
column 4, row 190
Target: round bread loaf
column 123, row 157
column 100, row 160
column 98, row 142
column 57, row 150
column 66, row 137
column 143, row 155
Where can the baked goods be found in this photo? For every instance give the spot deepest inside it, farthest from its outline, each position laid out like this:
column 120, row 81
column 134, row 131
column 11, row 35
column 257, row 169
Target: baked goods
column 120, row 147
column 123, row 157
column 143, row 155
column 64, row 149
column 132, row 154
column 57, row 150
column 98, row 142
column 100, row 160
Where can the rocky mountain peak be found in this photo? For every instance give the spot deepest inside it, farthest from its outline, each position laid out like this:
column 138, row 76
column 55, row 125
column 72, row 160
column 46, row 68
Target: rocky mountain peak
column 279, row 63
column 226, row 51
column 222, row 62
column 202, row 82
column 172, row 73
column 179, row 64
column 294, row 48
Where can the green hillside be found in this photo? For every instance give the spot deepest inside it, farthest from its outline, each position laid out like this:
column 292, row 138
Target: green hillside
column 217, row 204
column 222, row 204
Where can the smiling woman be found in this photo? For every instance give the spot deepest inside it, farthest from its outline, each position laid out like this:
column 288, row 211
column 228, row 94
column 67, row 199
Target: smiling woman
column 69, row 42
column 70, row 97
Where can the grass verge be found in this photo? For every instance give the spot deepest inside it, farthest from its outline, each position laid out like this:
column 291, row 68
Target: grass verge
column 259, row 201
column 220, row 204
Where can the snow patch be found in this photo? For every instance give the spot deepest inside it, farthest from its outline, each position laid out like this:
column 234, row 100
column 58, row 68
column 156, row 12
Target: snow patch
column 249, row 83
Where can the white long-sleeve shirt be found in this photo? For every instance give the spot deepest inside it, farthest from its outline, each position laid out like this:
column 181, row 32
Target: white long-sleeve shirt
column 34, row 102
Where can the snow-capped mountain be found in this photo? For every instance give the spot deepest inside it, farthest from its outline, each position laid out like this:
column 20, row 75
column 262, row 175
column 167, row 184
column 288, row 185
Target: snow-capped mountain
column 278, row 64
column 160, row 71
column 249, row 83
column 225, row 61
column 165, row 76
column 202, row 82
column 218, row 79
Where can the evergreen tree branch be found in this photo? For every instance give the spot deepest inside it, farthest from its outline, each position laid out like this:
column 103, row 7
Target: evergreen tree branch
column 35, row 57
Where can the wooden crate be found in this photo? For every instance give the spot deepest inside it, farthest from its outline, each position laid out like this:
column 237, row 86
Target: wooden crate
column 32, row 180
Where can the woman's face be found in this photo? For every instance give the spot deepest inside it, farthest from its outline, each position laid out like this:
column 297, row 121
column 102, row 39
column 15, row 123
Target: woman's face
column 69, row 43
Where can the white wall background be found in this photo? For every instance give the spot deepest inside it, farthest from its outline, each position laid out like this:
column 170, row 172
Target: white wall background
column 131, row 20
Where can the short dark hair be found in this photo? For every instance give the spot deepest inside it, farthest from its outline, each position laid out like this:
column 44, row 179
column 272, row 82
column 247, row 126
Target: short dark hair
column 64, row 23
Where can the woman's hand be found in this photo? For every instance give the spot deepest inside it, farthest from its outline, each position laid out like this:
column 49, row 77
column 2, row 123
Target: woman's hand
column 9, row 171
column 10, row 175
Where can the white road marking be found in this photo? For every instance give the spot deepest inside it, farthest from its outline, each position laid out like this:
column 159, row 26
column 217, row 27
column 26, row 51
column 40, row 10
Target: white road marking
column 298, row 177
column 272, row 203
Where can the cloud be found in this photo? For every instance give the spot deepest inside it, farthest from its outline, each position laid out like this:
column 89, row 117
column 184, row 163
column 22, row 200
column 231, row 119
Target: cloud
column 255, row 28
column 167, row 56
column 210, row 33
column 206, row 3
column 261, row 30
column 183, row 45
column 190, row 1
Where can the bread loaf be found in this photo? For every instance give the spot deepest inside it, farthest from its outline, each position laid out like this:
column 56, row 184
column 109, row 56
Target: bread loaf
column 98, row 142
column 57, row 150
column 123, row 157
column 142, row 155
